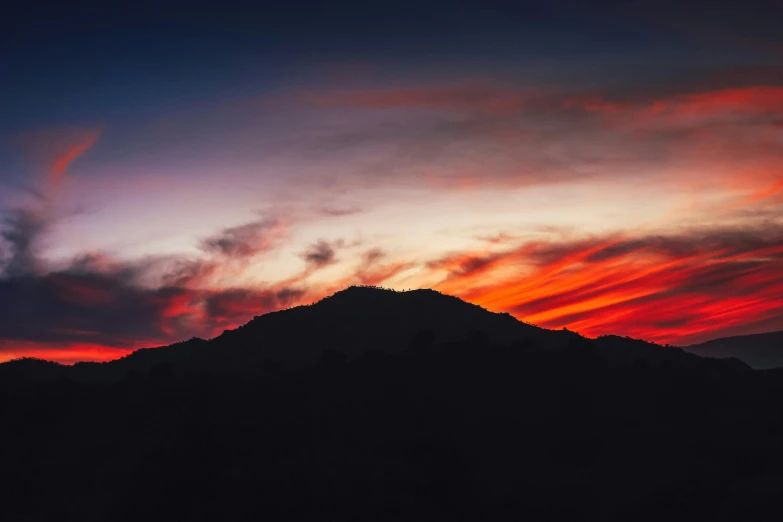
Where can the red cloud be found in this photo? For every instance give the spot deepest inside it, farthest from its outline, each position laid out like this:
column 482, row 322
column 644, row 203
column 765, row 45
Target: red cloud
column 758, row 100
column 61, row 163
column 80, row 291
column 742, row 101
column 769, row 192
column 725, row 104
column 62, row 352
column 53, row 150
column 662, row 289
column 485, row 99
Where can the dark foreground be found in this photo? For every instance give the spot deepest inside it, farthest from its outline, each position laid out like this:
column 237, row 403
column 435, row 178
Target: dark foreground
column 466, row 431
column 460, row 415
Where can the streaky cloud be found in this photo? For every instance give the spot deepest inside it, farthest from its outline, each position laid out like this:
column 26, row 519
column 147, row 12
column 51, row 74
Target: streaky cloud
column 247, row 240
column 667, row 288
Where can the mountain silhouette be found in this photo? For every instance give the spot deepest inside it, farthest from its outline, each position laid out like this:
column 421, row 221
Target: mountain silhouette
column 380, row 405
column 760, row 351
column 357, row 320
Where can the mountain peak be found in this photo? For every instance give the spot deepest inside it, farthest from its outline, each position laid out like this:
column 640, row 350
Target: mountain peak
column 367, row 318
column 375, row 296
column 361, row 291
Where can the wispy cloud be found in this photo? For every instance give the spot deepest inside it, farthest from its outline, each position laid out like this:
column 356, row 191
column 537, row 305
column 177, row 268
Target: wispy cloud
column 495, row 134
column 249, row 239
column 673, row 288
column 451, row 98
column 21, row 231
column 341, row 211
column 73, row 152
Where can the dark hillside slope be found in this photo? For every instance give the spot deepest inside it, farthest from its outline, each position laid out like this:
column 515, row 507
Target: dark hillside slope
column 458, row 431
column 361, row 318
column 348, row 323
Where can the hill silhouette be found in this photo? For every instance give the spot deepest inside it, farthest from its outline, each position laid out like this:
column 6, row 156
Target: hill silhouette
column 760, row 351
column 357, row 320
column 381, row 405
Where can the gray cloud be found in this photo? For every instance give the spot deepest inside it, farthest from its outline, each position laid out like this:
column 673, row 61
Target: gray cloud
column 112, row 309
column 321, row 254
column 97, row 300
column 247, row 240
column 499, row 135
column 22, row 228
column 341, row 211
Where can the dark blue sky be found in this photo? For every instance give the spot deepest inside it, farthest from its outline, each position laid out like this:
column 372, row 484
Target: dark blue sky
column 89, row 61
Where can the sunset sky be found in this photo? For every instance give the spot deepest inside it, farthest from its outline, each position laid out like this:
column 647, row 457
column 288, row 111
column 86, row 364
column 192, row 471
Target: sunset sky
column 169, row 172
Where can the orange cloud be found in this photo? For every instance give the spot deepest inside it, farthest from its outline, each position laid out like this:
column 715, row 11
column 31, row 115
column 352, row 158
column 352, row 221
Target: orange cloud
column 661, row 289
column 380, row 274
column 763, row 194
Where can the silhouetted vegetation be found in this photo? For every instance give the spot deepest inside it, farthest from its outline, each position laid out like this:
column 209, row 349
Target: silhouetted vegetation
column 406, row 406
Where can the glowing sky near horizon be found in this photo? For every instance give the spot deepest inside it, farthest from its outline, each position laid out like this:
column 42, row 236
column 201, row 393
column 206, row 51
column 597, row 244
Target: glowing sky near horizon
column 165, row 175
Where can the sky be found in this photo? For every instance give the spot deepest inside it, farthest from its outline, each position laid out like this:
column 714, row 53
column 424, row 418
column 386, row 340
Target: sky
column 170, row 170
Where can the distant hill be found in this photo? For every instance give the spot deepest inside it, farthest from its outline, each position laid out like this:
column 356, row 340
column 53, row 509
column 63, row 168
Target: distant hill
column 759, row 351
